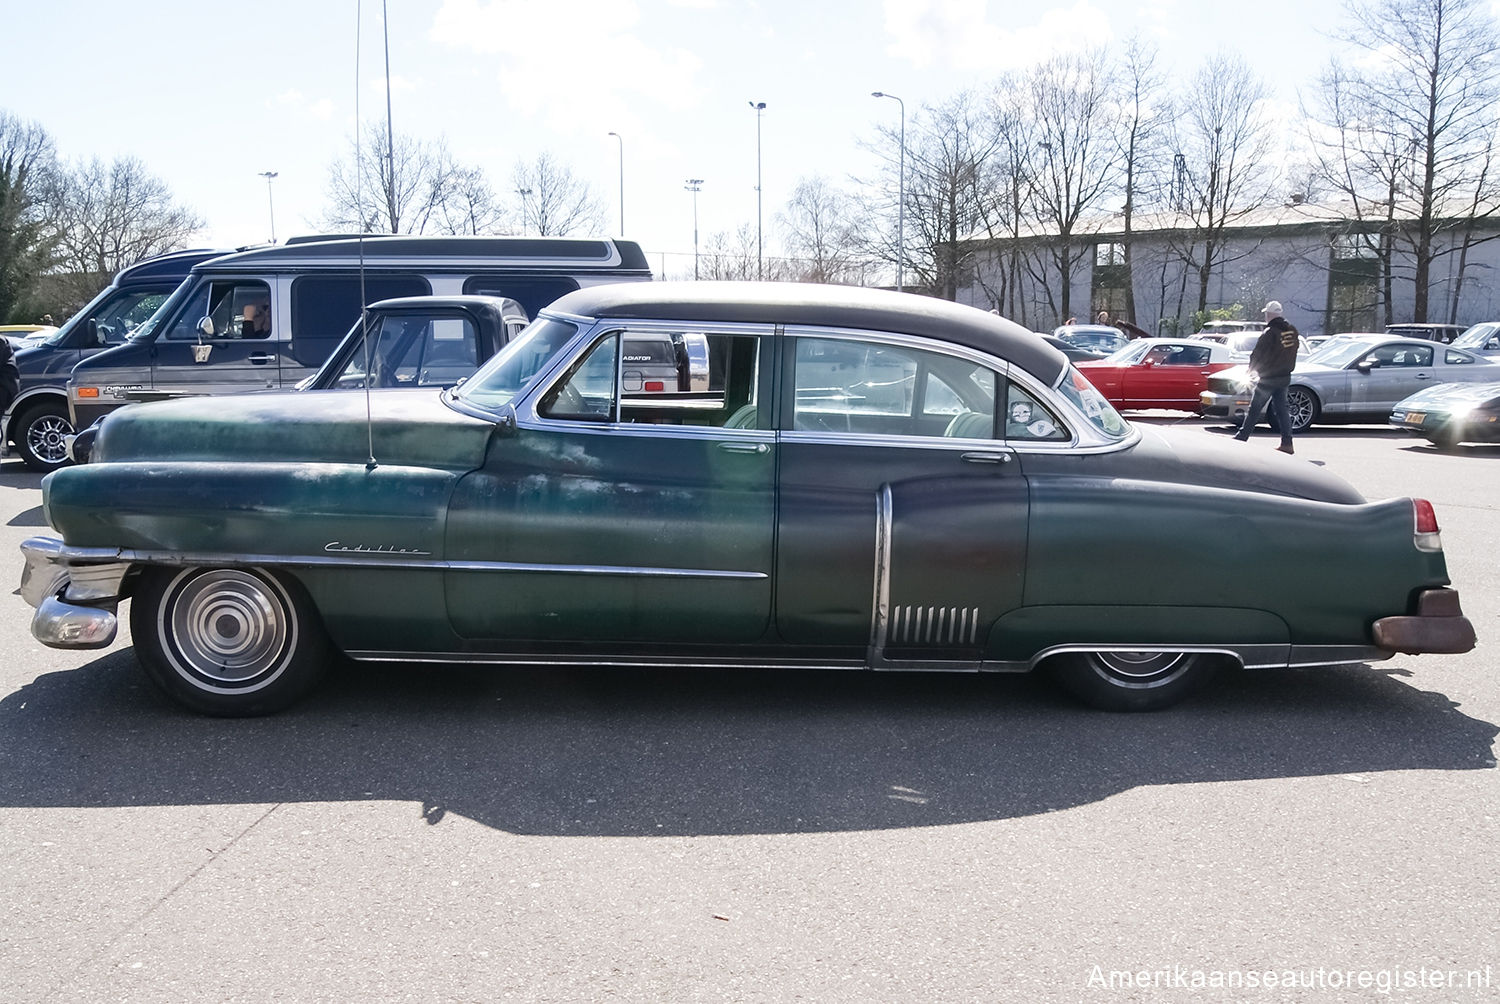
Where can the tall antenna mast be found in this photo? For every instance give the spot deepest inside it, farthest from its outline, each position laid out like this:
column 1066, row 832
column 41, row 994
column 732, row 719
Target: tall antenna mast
column 359, row 209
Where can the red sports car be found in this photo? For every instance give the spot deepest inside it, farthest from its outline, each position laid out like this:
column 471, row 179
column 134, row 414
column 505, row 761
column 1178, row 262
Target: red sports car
column 1158, row 373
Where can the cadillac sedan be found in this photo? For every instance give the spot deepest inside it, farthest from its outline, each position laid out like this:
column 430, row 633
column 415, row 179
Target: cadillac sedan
column 862, row 480
column 1357, row 379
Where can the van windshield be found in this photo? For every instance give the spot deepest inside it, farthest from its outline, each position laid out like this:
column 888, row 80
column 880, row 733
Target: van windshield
column 501, row 380
column 147, row 328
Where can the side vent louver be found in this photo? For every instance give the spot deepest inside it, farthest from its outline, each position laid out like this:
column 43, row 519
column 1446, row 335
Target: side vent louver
column 934, row 625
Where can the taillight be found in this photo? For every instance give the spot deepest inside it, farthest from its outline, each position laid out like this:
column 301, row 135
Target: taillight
column 655, row 386
column 1426, row 536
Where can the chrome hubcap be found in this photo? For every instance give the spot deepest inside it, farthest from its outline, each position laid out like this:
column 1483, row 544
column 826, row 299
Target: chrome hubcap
column 1300, row 407
column 1142, row 669
column 230, row 628
column 46, row 438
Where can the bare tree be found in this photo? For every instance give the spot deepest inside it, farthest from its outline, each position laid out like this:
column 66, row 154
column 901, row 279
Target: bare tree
column 1076, row 125
column 1143, row 113
column 731, row 256
column 113, row 215
column 472, row 208
column 554, row 201
column 1417, row 124
column 409, row 186
column 26, row 236
column 1224, row 142
column 950, row 152
column 821, row 230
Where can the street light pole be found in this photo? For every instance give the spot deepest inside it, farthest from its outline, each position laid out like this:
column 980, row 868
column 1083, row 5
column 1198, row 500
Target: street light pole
column 695, row 185
column 760, row 261
column 901, row 196
column 620, row 140
column 524, row 193
column 271, row 176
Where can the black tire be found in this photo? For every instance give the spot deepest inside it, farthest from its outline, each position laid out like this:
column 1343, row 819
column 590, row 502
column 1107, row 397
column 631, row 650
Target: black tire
column 40, row 432
column 1448, row 437
column 1133, row 681
column 1302, row 405
column 229, row 642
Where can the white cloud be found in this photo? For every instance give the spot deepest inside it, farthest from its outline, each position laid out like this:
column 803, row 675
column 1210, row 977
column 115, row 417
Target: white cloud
column 957, row 34
column 321, row 109
column 569, row 60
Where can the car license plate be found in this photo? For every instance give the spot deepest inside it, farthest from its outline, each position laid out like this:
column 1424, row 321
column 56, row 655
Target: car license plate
column 1416, row 417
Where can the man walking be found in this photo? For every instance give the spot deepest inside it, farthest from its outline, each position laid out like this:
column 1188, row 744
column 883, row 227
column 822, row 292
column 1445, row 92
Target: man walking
column 1271, row 364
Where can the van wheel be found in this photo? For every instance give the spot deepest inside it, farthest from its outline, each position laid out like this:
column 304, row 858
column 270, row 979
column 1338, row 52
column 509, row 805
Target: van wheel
column 230, row 642
column 41, row 436
column 1133, row 681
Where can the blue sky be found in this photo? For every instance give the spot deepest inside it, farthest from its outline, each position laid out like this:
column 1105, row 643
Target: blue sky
column 209, row 93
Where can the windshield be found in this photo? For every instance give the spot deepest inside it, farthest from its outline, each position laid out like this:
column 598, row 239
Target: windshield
column 1340, row 353
column 501, row 380
column 1129, row 354
column 145, row 329
column 1474, row 337
column 1101, row 414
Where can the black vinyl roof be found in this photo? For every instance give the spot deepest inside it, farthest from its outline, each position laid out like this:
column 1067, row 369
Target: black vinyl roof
column 793, row 303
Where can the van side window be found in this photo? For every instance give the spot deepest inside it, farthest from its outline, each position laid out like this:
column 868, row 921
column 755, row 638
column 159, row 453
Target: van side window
column 325, row 307
column 231, row 308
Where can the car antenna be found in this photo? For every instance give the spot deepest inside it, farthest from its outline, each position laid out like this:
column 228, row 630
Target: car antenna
column 359, row 211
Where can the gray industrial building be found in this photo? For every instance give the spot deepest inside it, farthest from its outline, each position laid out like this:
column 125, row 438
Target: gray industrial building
column 1318, row 260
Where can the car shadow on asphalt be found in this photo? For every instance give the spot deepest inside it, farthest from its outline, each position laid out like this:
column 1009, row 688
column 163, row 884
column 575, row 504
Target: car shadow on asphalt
column 656, row 752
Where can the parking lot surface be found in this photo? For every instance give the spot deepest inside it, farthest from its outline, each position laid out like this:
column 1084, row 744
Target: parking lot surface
column 450, row 834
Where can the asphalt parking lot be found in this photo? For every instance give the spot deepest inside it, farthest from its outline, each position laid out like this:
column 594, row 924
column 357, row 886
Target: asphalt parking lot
column 437, row 834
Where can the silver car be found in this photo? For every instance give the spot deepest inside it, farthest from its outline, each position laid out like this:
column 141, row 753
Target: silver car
column 1483, row 338
column 1357, row 379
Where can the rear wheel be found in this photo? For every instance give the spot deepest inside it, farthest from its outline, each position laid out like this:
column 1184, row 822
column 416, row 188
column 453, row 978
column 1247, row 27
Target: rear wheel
column 231, row 642
column 41, row 433
column 1448, row 437
column 1302, row 406
column 1133, row 681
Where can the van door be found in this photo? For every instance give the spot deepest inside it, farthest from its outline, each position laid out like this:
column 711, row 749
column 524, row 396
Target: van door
column 223, row 342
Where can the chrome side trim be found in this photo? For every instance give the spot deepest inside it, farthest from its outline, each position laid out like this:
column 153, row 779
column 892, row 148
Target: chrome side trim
column 641, row 662
column 881, row 601
column 76, row 559
column 1249, row 656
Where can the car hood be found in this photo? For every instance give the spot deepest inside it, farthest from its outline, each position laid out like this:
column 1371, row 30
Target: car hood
column 1189, row 457
column 1448, row 396
column 408, row 427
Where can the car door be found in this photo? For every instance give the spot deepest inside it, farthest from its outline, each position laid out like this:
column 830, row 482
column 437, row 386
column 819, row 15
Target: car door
column 1171, row 376
column 223, row 341
column 622, row 517
column 902, row 509
column 1390, row 372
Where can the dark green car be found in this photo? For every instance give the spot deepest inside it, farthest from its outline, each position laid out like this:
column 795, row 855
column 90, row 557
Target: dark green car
column 841, row 478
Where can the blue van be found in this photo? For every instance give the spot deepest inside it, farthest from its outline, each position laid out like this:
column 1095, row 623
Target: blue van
column 37, row 422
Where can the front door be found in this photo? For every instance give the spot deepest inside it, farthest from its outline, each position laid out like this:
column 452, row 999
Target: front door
column 224, row 341
column 901, row 531
column 625, row 514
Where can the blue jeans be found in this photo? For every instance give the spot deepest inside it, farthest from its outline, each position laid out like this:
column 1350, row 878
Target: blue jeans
column 1277, row 398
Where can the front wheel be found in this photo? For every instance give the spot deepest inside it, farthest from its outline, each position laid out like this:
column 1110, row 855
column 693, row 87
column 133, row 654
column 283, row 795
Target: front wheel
column 1133, row 681
column 41, row 433
column 1302, row 406
column 230, row 642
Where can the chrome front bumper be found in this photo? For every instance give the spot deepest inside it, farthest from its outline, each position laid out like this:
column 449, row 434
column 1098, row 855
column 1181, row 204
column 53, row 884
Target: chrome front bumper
column 1228, row 405
column 75, row 592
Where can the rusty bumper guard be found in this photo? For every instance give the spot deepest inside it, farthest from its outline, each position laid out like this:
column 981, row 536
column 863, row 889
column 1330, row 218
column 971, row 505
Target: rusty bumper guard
column 1439, row 626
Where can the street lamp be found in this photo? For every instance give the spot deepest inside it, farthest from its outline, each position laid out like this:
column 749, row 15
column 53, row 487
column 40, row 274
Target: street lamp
column 270, row 176
column 901, row 190
column 524, row 193
column 621, row 141
column 760, row 262
column 695, row 185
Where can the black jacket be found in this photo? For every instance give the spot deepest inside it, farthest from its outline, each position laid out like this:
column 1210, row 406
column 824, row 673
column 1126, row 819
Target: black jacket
column 1275, row 353
column 10, row 377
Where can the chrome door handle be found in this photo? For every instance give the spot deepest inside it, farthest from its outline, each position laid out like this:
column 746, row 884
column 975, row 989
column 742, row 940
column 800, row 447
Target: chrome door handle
column 756, row 448
column 986, row 458
column 261, row 358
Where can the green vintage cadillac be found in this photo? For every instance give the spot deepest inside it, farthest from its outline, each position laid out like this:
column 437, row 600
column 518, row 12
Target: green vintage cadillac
column 832, row 477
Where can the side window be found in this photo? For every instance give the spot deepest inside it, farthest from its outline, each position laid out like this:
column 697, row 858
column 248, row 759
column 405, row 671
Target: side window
column 1188, row 355
column 123, row 313
column 1026, row 418
column 586, row 392
column 225, row 309
column 531, row 292
column 325, row 307
column 1455, row 358
column 416, row 351
column 871, row 388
